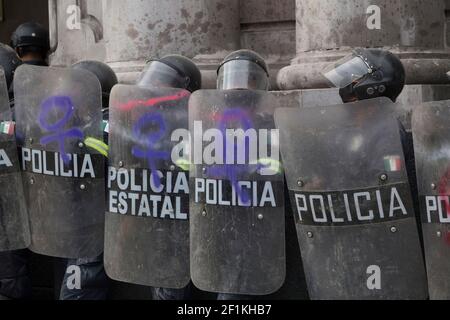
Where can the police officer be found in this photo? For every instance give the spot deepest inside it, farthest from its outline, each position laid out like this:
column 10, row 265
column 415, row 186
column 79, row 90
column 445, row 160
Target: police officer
column 15, row 281
column 32, row 44
column 242, row 70
column 372, row 73
column 363, row 75
column 172, row 71
column 93, row 283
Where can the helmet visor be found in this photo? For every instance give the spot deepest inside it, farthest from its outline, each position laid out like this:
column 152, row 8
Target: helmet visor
column 242, row 74
column 158, row 74
column 346, row 71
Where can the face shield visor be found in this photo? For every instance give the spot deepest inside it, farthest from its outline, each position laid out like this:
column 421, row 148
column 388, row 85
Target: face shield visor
column 158, row 74
column 346, row 71
column 242, row 74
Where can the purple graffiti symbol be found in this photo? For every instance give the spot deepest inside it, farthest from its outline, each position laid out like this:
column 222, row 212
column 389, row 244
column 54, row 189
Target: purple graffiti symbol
column 60, row 134
column 233, row 171
column 150, row 140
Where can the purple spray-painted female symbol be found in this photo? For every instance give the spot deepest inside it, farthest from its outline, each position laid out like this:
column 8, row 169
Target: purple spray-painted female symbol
column 150, row 140
column 233, row 171
column 60, row 133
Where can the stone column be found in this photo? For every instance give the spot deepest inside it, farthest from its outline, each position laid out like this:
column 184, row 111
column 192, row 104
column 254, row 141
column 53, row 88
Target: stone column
column 76, row 31
column 205, row 30
column 328, row 29
column 268, row 27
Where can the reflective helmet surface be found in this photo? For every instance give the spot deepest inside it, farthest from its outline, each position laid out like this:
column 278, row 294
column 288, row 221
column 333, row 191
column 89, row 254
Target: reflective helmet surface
column 173, row 71
column 366, row 74
column 243, row 69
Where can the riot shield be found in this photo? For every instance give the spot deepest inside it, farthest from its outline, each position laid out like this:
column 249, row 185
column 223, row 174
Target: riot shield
column 237, row 222
column 14, row 228
column 147, row 224
column 58, row 114
column 348, row 183
column 431, row 131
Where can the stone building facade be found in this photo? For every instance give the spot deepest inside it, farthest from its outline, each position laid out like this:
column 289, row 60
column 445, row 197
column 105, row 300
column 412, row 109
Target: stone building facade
column 127, row 33
column 297, row 37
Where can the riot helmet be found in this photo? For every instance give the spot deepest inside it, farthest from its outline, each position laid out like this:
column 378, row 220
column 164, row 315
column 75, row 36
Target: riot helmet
column 367, row 74
column 105, row 75
column 31, row 37
column 243, row 69
column 174, row 71
column 9, row 61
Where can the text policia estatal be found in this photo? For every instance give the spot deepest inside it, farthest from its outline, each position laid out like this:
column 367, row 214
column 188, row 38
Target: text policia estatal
column 134, row 192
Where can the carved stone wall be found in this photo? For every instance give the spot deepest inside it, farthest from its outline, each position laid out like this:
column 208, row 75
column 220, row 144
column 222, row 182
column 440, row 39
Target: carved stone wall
column 127, row 33
column 416, row 30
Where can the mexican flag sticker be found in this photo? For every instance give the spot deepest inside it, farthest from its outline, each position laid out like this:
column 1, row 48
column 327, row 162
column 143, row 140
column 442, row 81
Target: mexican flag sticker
column 105, row 126
column 7, row 127
column 393, row 163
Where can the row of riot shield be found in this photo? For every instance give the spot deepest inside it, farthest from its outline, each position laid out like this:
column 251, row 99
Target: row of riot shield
column 60, row 179
column 194, row 189
column 222, row 224
column 351, row 189
column 346, row 174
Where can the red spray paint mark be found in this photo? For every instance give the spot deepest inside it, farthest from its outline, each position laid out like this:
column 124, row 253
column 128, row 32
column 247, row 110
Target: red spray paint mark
column 153, row 101
column 443, row 191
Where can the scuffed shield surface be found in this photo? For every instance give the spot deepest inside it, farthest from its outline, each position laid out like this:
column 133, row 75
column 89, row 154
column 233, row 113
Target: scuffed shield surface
column 58, row 114
column 237, row 193
column 349, row 188
column 14, row 228
column 431, row 130
column 147, row 224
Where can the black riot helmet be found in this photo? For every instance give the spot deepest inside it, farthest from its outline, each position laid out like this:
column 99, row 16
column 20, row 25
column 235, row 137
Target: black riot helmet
column 104, row 74
column 366, row 74
column 172, row 71
column 31, row 36
column 243, row 69
column 9, row 61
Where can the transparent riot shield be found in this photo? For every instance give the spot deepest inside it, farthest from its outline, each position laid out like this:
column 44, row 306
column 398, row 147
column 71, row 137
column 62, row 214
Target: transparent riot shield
column 431, row 131
column 237, row 222
column 58, row 114
column 14, row 228
column 147, row 224
column 350, row 192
